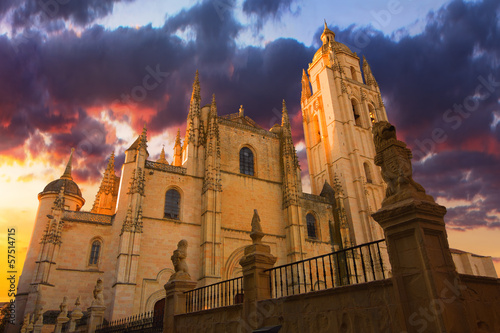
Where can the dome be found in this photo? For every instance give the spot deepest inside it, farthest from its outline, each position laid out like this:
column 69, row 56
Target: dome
column 341, row 47
column 70, row 187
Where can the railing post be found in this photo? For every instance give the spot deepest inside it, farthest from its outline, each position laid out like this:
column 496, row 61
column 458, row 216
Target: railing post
column 97, row 308
column 256, row 282
column 179, row 283
column 427, row 286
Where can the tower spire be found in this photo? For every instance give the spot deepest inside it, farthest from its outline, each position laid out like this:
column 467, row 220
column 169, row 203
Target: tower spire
column 285, row 121
column 143, row 139
column 67, row 171
column 162, row 158
column 196, row 94
column 327, row 36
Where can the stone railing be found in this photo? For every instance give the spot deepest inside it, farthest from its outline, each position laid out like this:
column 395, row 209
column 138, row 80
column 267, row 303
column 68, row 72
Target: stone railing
column 86, row 217
column 313, row 197
column 261, row 131
column 165, row 167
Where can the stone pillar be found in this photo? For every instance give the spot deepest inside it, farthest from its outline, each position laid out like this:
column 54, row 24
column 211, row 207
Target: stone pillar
column 256, row 282
column 427, row 285
column 63, row 316
column 37, row 327
column 96, row 317
column 175, row 302
column 97, row 308
column 179, row 282
column 75, row 315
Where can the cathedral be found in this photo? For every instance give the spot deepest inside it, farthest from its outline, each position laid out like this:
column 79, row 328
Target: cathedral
column 226, row 166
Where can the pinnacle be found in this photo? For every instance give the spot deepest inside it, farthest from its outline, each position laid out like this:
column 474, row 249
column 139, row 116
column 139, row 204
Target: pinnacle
column 178, row 137
column 67, row 171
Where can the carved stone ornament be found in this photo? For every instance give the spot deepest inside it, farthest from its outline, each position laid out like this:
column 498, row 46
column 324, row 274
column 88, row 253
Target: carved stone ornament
column 256, row 233
column 179, row 261
column 395, row 160
column 64, row 309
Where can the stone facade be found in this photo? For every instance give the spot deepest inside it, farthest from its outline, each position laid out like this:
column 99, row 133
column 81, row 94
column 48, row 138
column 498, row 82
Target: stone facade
column 135, row 237
column 128, row 236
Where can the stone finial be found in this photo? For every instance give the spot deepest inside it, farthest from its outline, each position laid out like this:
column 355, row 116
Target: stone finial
column 256, row 233
column 77, row 312
column 67, row 171
column 395, row 160
column 98, row 294
column 39, row 316
column 241, row 111
column 179, row 261
column 162, row 158
column 64, row 308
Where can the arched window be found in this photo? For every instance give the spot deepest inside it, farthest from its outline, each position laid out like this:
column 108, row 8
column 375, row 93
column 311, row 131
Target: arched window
column 95, row 251
column 353, row 73
column 246, row 161
column 172, row 204
column 311, row 226
column 357, row 118
column 373, row 117
column 317, row 133
column 318, row 85
column 368, row 173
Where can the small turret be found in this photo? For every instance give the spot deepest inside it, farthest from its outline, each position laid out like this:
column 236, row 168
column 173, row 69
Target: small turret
column 105, row 199
column 162, row 158
column 66, row 182
column 327, row 36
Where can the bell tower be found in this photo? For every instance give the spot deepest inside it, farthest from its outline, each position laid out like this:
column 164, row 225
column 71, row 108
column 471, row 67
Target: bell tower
column 338, row 114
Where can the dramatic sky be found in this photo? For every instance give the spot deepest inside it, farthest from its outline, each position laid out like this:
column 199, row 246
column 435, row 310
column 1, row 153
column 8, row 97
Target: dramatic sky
column 89, row 74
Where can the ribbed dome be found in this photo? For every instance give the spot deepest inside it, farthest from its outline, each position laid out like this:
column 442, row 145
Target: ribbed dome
column 70, row 187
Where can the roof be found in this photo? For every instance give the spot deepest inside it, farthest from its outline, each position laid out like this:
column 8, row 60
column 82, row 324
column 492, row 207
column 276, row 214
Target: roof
column 235, row 117
column 456, row 251
column 70, row 187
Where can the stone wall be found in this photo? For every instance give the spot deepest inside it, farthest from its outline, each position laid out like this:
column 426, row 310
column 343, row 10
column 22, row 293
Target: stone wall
column 219, row 320
column 367, row 308
column 482, row 301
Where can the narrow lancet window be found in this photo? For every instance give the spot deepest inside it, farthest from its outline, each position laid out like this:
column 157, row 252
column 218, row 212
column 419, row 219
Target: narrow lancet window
column 311, row 226
column 94, row 253
column 172, row 204
column 246, row 161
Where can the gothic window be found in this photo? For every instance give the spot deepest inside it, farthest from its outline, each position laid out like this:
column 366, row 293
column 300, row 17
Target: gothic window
column 95, row 251
column 311, row 226
column 246, row 161
column 317, row 133
column 172, row 204
column 368, row 172
column 355, row 111
column 371, row 110
column 353, row 73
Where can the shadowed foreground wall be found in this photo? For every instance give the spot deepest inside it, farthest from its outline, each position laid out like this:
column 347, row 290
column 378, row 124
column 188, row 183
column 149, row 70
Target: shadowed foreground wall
column 482, row 300
column 368, row 307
